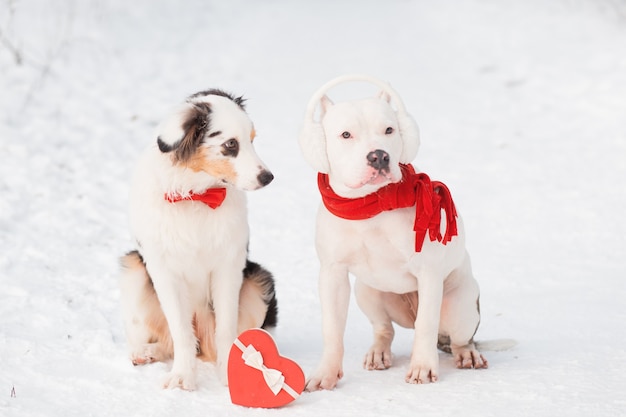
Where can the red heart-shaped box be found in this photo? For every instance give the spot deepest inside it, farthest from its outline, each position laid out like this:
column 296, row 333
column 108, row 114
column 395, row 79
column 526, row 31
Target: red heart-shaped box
column 247, row 385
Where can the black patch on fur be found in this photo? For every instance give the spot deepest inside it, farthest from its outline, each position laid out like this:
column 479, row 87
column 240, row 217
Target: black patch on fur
column 265, row 280
column 195, row 125
column 443, row 343
column 164, row 147
column 136, row 254
column 240, row 101
column 271, row 318
column 214, row 134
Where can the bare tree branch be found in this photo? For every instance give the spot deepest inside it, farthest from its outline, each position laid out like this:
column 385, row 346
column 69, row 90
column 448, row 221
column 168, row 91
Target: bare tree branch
column 4, row 40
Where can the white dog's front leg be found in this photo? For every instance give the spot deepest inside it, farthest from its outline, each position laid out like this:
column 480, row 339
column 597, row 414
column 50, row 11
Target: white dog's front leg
column 176, row 307
column 225, row 287
column 424, row 365
column 334, row 288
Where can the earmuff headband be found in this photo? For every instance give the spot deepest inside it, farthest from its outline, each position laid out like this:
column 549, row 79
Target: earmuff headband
column 317, row 96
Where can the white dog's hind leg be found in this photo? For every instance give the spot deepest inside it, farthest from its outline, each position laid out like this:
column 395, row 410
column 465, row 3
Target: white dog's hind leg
column 460, row 316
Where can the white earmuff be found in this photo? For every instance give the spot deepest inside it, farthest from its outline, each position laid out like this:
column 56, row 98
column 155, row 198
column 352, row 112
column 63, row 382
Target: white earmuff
column 313, row 140
column 313, row 145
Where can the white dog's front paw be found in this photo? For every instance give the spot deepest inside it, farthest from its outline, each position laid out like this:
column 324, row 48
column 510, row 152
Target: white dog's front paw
column 186, row 381
column 326, row 377
column 423, row 369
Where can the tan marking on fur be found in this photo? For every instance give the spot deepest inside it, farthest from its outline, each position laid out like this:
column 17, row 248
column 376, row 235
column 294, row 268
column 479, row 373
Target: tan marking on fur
column 198, row 161
column 252, row 308
column 252, row 135
column 154, row 319
column 131, row 261
column 411, row 299
column 220, row 168
column 204, row 326
column 135, row 271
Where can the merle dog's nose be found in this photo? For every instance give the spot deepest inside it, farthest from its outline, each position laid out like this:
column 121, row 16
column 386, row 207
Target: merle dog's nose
column 378, row 159
column 265, row 177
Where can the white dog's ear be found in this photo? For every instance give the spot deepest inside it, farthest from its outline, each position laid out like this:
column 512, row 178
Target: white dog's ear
column 325, row 104
column 408, row 131
column 410, row 137
column 384, row 96
column 313, row 139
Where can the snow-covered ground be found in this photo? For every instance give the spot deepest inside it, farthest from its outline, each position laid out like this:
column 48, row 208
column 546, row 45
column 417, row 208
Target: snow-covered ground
column 522, row 108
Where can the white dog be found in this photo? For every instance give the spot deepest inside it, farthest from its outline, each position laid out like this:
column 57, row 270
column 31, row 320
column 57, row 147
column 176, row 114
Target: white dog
column 382, row 222
column 188, row 289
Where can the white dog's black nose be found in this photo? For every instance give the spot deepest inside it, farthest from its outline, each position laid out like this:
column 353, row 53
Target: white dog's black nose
column 378, row 159
column 265, row 177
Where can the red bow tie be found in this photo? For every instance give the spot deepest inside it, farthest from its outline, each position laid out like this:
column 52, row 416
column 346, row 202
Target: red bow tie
column 428, row 197
column 213, row 197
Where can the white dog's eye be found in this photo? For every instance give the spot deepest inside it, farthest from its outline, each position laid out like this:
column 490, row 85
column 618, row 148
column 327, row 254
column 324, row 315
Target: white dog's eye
column 346, row 135
column 389, row 130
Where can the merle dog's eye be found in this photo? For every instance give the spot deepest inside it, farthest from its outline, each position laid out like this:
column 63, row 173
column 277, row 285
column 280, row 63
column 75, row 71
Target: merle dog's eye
column 231, row 147
column 389, row 130
column 346, row 135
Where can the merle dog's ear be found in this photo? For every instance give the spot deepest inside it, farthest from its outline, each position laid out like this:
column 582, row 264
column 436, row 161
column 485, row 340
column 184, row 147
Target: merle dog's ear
column 184, row 130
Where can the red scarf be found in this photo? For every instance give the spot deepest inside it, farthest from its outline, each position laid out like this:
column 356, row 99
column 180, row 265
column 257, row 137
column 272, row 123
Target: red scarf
column 428, row 197
column 213, row 197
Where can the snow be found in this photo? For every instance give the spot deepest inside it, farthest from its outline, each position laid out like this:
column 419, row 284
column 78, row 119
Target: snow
column 521, row 106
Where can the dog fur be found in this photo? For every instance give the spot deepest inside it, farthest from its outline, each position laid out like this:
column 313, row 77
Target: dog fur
column 188, row 289
column 432, row 291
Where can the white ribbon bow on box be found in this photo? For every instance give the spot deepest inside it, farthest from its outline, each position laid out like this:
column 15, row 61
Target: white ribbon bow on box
column 273, row 377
